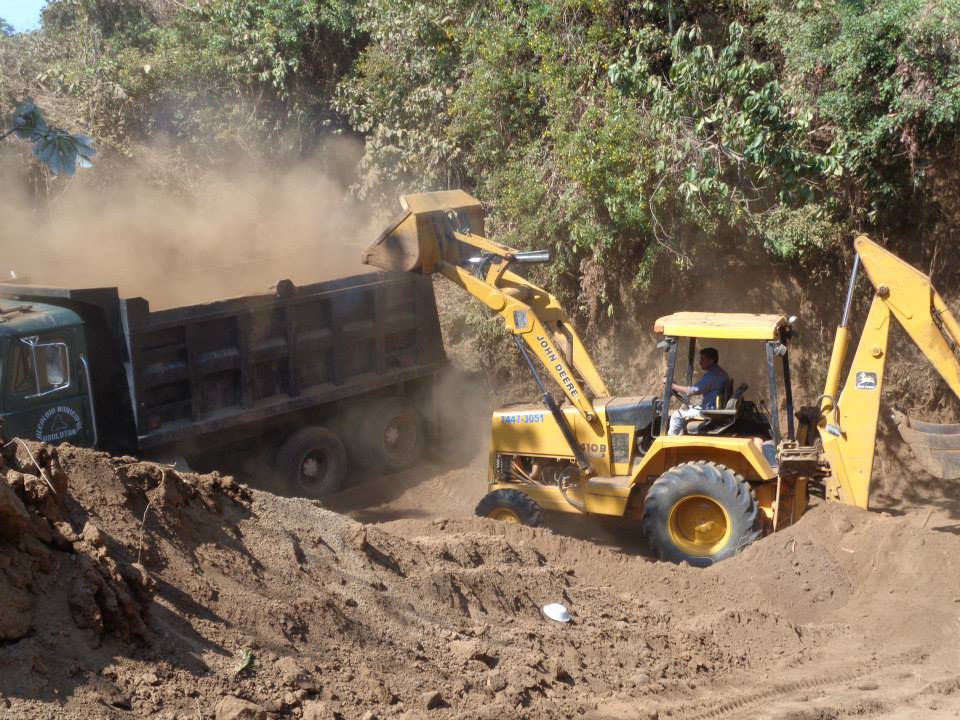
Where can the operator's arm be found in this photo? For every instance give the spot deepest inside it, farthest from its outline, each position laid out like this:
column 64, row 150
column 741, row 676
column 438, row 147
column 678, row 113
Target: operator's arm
column 687, row 389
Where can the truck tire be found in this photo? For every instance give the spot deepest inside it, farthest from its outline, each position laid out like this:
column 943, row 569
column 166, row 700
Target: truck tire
column 312, row 463
column 700, row 513
column 510, row 506
column 390, row 434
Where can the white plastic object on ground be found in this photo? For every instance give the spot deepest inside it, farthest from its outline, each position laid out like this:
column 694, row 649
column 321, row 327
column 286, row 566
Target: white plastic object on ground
column 556, row 611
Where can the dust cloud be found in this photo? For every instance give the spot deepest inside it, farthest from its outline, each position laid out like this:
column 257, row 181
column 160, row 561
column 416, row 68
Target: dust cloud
column 237, row 234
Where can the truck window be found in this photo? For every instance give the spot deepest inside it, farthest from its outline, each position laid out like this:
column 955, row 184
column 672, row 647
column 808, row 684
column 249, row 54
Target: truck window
column 39, row 368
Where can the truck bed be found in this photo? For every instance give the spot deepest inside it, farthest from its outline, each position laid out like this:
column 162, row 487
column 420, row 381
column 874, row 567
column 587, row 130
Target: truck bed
column 197, row 370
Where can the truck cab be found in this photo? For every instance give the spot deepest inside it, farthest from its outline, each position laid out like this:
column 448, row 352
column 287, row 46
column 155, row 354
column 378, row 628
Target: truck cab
column 44, row 377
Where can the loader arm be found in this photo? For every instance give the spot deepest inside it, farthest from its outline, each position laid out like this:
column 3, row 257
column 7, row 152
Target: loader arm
column 443, row 232
column 848, row 421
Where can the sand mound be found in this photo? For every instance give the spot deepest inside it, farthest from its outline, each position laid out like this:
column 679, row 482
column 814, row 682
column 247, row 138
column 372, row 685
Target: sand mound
column 130, row 590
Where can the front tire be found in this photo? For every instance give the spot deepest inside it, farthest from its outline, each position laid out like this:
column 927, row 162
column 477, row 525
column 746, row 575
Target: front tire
column 510, row 506
column 700, row 513
column 312, row 463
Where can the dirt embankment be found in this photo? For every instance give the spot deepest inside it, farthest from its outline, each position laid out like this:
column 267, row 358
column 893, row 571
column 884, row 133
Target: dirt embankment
column 131, row 591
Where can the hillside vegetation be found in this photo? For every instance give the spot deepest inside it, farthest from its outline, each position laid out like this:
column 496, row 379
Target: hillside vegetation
column 638, row 140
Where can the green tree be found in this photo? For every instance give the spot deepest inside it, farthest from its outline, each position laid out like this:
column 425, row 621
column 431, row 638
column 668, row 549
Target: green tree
column 650, row 137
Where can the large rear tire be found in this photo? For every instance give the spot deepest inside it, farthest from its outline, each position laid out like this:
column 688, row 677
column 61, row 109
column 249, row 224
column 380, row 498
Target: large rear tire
column 510, row 506
column 700, row 513
column 312, row 463
column 391, row 434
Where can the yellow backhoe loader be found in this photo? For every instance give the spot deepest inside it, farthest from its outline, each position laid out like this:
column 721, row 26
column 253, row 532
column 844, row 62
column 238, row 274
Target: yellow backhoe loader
column 699, row 496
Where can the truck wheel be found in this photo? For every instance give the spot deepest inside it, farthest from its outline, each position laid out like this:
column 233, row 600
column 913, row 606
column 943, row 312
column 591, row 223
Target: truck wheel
column 701, row 513
column 391, row 434
column 510, row 506
column 312, row 462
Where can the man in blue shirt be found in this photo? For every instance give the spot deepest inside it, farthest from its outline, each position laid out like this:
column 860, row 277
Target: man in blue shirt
column 710, row 385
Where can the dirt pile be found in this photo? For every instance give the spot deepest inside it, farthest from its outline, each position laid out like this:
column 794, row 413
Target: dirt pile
column 44, row 530
column 130, row 590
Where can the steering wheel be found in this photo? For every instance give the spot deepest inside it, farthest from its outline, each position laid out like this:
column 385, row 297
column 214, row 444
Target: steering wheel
column 682, row 398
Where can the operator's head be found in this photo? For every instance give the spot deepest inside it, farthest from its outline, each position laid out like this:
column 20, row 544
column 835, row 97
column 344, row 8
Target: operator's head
column 708, row 358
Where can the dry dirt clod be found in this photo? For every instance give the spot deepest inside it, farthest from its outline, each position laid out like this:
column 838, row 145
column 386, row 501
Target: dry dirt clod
column 273, row 706
column 148, row 678
column 294, row 674
column 558, row 672
column 640, row 679
column 234, row 708
column 16, row 617
column 432, row 700
column 64, row 534
column 317, row 710
column 467, row 650
column 91, row 534
column 496, row 681
column 15, row 480
column 14, row 518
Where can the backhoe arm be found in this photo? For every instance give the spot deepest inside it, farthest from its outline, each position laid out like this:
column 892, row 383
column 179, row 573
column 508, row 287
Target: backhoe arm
column 443, row 232
column 848, row 422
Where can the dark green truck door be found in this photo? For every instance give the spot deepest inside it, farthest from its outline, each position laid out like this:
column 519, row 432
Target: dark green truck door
column 45, row 388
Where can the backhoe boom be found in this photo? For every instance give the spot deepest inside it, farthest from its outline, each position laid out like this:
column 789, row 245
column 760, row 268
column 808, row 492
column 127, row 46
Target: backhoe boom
column 848, row 422
column 443, row 232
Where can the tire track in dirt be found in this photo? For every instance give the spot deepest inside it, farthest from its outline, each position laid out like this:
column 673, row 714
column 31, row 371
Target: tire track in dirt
column 782, row 693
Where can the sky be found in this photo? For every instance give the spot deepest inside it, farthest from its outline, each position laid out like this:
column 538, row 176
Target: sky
column 24, row 15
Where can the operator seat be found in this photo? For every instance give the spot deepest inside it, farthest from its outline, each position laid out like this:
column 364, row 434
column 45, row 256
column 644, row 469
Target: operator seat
column 717, row 421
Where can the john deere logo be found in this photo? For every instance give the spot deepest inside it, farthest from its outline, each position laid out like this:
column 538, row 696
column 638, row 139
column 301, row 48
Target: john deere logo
column 58, row 423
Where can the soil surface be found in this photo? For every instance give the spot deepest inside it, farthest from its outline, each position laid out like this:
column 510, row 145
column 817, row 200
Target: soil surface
column 128, row 590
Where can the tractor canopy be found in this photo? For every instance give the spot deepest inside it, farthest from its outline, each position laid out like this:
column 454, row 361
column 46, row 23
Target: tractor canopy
column 722, row 326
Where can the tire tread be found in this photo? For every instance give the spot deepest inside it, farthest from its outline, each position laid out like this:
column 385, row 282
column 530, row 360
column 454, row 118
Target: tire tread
column 660, row 498
column 525, row 506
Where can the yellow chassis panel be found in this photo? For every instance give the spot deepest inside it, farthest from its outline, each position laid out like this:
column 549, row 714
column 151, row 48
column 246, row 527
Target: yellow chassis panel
column 742, row 455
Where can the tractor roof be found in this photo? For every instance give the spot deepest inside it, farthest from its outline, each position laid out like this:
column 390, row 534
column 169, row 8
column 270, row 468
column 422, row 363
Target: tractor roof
column 724, row 326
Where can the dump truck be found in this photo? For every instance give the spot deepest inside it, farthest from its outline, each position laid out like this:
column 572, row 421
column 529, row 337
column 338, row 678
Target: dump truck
column 307, row 376
column 735, row 472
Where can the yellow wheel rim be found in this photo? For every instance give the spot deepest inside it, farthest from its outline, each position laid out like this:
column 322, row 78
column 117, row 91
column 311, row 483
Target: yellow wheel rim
column 504, row 515
column 699, row 525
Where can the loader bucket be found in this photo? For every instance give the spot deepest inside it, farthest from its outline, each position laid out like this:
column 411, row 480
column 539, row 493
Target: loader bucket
column 414, row 241
column 936, row 447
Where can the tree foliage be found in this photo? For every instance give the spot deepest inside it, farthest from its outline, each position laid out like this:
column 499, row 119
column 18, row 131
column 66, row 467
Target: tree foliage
column 631, row 135
column 217, row 78
column 647, row 136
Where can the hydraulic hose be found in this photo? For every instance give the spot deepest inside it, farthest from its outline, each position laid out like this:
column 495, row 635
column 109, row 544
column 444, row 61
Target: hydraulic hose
column 551, row 404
